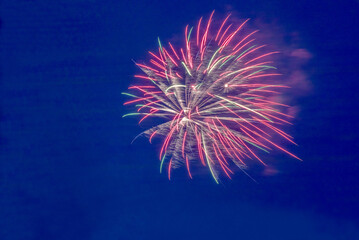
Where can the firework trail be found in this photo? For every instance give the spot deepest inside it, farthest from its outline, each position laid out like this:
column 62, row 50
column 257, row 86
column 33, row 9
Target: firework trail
column 216, row 94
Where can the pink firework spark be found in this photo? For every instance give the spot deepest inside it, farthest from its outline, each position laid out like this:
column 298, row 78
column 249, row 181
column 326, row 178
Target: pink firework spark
column 216, row 95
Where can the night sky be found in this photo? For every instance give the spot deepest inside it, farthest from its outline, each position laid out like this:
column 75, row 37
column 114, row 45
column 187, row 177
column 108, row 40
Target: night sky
column 68, row 169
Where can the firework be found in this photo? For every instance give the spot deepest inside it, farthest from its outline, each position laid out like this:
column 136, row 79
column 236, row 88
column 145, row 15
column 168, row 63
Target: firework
column 216, row 95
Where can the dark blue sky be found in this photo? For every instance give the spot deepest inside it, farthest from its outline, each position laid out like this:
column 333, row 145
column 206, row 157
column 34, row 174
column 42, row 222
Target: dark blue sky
column 68, row 170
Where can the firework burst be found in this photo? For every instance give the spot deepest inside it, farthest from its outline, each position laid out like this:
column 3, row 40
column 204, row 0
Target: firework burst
column 216, row 95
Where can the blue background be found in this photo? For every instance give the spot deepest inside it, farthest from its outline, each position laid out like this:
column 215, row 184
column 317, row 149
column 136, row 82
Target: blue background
column 68, row 170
